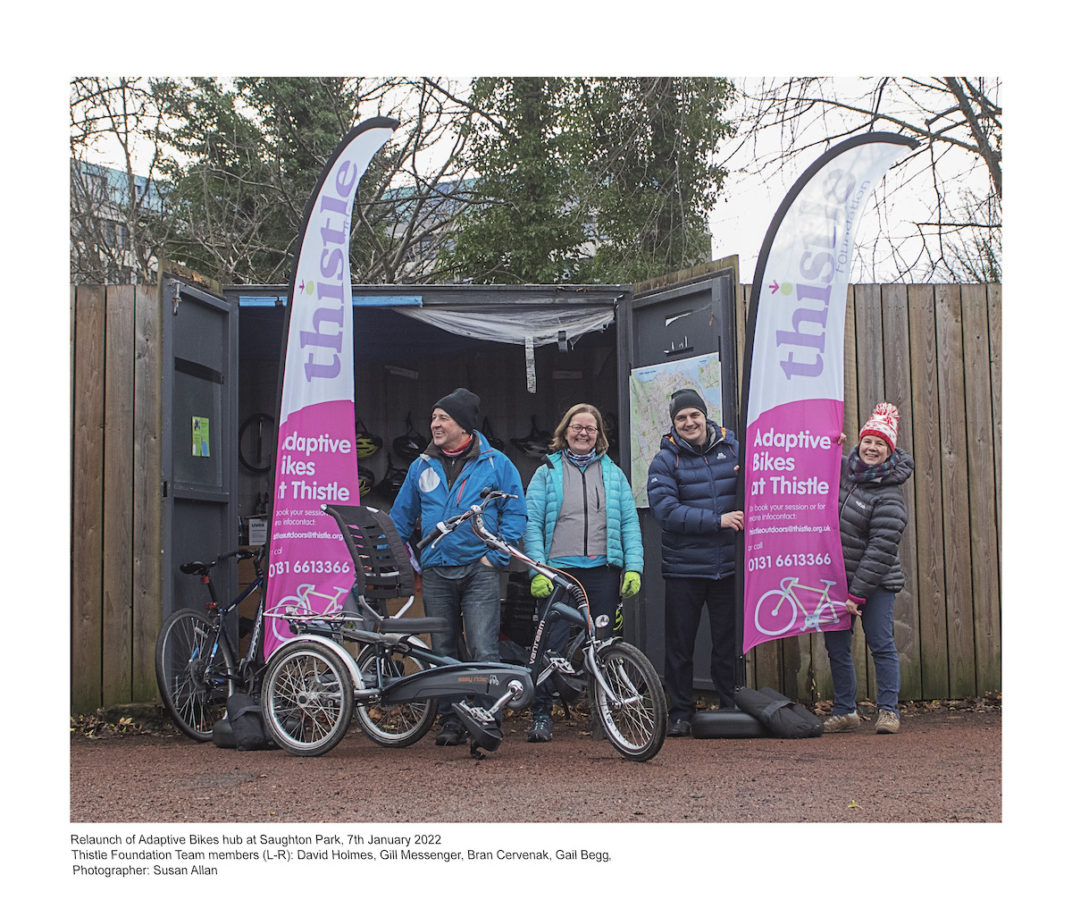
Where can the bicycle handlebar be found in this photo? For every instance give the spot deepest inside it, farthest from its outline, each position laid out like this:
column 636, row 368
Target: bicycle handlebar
column 446, row 527
column 203, row 568
column 475, row 514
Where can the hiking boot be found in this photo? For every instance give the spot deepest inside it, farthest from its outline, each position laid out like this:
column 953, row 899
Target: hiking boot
column 848, row 722
column 679, row 728
column 451, row 735
column 888, row 722
column 540, row 732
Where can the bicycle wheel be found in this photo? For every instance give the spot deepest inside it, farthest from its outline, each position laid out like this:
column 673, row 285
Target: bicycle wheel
column 307, row 698
column 396, row 724
column 256, row 442
column 637, row 726
column 194, row 672
column 777, row 616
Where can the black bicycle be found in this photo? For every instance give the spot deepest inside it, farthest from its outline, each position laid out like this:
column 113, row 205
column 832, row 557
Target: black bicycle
column 198, row 665
column 312, row 685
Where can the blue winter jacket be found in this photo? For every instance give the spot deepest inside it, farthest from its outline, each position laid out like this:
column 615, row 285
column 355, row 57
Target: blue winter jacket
column 424, row 496
column 689, row 490
column 625, row 547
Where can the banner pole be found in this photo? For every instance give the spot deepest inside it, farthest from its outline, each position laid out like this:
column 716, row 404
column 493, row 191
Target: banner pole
column 816, row 268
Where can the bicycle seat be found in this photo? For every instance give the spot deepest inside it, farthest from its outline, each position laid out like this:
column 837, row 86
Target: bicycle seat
column 196, row 568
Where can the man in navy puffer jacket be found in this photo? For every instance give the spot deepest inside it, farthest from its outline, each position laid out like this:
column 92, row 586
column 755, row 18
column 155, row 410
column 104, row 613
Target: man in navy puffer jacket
column 692, row 491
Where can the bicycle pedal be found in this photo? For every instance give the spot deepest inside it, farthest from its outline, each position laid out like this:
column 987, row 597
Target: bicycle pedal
column 483, row 730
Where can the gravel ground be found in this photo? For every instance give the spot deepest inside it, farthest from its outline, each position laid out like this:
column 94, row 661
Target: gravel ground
column 944, row 766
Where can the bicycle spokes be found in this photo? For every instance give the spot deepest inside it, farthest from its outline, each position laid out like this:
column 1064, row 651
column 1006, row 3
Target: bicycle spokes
column 312, row 700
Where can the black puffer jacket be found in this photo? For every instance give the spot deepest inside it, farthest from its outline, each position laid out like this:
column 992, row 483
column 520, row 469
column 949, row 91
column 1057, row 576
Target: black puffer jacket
column 873, row 517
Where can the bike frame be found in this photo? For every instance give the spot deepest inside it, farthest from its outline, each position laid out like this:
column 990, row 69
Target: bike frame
column 449, row 677
column 552, row 608
column 511, row 685
column 247, row 671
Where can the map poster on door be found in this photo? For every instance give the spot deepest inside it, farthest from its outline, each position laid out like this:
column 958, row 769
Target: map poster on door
column 650, row 388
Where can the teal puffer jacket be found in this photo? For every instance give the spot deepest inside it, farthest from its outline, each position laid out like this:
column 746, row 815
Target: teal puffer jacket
column 625, row 548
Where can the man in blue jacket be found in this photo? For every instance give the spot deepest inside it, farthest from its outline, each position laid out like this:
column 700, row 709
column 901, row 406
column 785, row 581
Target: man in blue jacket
column 692, row 491
column 460, row 575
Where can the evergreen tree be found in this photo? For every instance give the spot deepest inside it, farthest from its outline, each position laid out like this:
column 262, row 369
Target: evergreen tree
column 590, row 180
column 523, row 229
column 648, row 147
column 251, row 153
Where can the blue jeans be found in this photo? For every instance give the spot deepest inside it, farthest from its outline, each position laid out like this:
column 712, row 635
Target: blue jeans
column 468, row 598
column 877, row 619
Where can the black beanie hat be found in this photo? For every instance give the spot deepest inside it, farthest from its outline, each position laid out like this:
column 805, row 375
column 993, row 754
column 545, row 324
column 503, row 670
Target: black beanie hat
column 686, row 398
column 462, row 406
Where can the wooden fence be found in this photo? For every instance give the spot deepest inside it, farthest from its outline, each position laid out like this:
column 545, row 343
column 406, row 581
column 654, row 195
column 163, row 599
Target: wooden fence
column 933, row 350
column 115, row 494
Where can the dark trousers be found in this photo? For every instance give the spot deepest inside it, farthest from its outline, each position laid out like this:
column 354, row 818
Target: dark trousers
column 602, row 585
column 685, row 602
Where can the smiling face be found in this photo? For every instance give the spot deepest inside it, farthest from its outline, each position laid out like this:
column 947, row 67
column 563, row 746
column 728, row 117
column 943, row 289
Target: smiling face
column 873, row 450
column 446, row 433
column 691, row 424
column 581, row 433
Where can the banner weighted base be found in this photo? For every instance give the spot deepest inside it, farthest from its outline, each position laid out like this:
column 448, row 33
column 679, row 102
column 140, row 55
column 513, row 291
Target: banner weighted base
column 726, row 723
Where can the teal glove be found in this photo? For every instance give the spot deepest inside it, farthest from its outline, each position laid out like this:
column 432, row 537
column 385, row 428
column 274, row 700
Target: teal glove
column 630, row 584
column 541, row 586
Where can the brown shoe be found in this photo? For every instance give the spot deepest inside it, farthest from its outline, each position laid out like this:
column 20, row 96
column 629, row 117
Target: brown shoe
column 848, row 722
column 888, row 722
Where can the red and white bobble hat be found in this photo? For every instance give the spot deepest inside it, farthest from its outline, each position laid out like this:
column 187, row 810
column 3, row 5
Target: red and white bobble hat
column 883, row 424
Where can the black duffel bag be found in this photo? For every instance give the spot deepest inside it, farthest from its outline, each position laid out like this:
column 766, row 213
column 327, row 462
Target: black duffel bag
column 778, row 714
column 247, row 724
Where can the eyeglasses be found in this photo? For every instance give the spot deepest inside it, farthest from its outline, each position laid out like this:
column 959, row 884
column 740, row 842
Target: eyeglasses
column 584, row 429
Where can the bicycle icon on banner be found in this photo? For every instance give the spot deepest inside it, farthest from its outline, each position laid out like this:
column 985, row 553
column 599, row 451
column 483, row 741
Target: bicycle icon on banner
column 777, row 610
column 301, row 605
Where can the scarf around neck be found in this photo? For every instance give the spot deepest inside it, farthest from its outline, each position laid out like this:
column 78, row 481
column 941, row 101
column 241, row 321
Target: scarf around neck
column 859, row 471
column 581, row 461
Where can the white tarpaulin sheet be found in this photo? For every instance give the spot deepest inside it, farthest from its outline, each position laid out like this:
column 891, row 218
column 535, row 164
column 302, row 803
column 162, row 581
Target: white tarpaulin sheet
column 515, row 324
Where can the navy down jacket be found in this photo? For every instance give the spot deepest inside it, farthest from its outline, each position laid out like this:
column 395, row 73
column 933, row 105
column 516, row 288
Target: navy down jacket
column 689, row 490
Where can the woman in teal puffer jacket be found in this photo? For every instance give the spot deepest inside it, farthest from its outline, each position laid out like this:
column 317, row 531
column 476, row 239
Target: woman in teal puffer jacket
column 582, row 520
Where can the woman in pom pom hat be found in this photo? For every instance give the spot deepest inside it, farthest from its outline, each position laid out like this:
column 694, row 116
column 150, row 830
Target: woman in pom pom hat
column 873, row 516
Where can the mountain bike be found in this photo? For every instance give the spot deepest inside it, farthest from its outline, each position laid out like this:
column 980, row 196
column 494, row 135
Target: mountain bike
column 197, row 659
column 198, row 665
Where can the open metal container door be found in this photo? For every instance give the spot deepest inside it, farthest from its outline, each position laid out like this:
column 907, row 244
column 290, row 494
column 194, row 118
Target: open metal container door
column 199, row 439
column 680, row 324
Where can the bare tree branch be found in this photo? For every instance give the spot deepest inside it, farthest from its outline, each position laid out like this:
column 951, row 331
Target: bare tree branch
column 957, row 121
